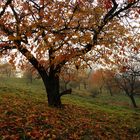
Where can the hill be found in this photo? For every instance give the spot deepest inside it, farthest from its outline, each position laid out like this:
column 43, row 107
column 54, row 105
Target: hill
column 24, row 115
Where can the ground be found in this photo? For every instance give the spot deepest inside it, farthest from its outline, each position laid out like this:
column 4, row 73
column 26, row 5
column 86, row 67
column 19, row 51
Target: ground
column 24, row 115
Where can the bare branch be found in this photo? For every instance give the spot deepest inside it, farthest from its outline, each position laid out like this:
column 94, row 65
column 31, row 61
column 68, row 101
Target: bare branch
column 68, row 91
column 5, row 47
column 111, row 11
column 129, row 5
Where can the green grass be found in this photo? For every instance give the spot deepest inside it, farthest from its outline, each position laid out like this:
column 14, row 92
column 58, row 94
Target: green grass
column 37, row 90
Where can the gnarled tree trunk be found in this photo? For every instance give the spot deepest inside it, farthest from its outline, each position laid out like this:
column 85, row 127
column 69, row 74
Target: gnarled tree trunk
column 52, row 88
column 51, row 84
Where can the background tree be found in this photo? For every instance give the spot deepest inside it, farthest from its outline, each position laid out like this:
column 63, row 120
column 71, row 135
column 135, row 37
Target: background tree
column 109, row 82
column 67, row 75
column 60, row 32
column 127, row 82
column 6, row 70
column 83, row 76
column 103, row 80
column 127, row 79
column 96, row 82
column 29, row 73
column 127, row 69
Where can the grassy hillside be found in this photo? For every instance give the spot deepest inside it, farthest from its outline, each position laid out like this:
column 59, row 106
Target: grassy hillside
column 24, row 115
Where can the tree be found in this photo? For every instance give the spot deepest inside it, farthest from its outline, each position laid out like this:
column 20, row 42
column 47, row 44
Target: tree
column 127, row 70
column 127, row 77
column 127, row 81
column 29, row 73
column 68, row 74
column 83, row 76
column 104, row 79
column 127, row 66
column 6, row 69
column 108, row 80
column 60, row 32
column 96, row 81
column 74, row 75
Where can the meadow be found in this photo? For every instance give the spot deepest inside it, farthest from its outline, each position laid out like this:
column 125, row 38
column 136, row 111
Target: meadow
column 25, row 115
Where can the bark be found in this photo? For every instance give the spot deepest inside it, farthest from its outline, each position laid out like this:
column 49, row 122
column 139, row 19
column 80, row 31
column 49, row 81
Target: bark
column 51, row 80
column 68, row 91
column 51, row 84
column 133, row 101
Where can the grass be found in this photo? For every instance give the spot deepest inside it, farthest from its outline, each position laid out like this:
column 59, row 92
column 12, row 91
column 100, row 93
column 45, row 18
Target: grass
column 24, row 115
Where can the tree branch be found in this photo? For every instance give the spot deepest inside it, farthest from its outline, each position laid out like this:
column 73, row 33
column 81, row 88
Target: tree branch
column 6, row 46
column 30, row 57
column 6, row 30
column 4, row 8
column 68, row 91
column 111, row 11
column 74, row 53
column 129, row 5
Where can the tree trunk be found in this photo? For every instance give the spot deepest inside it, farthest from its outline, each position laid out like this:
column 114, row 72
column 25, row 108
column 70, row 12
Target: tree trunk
column 133, row 101
column 53, row 94
column 79, row 86
column 85, row 85
column 54, row 98
column 110, row 91
column 100, row 90
column 50, row 79
column 51, row 84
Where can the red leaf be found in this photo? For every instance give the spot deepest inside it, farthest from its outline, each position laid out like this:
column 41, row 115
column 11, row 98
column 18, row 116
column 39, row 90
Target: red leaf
column 3, row 45
column 138, row 11
column 108, row 4
column 130, row 1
